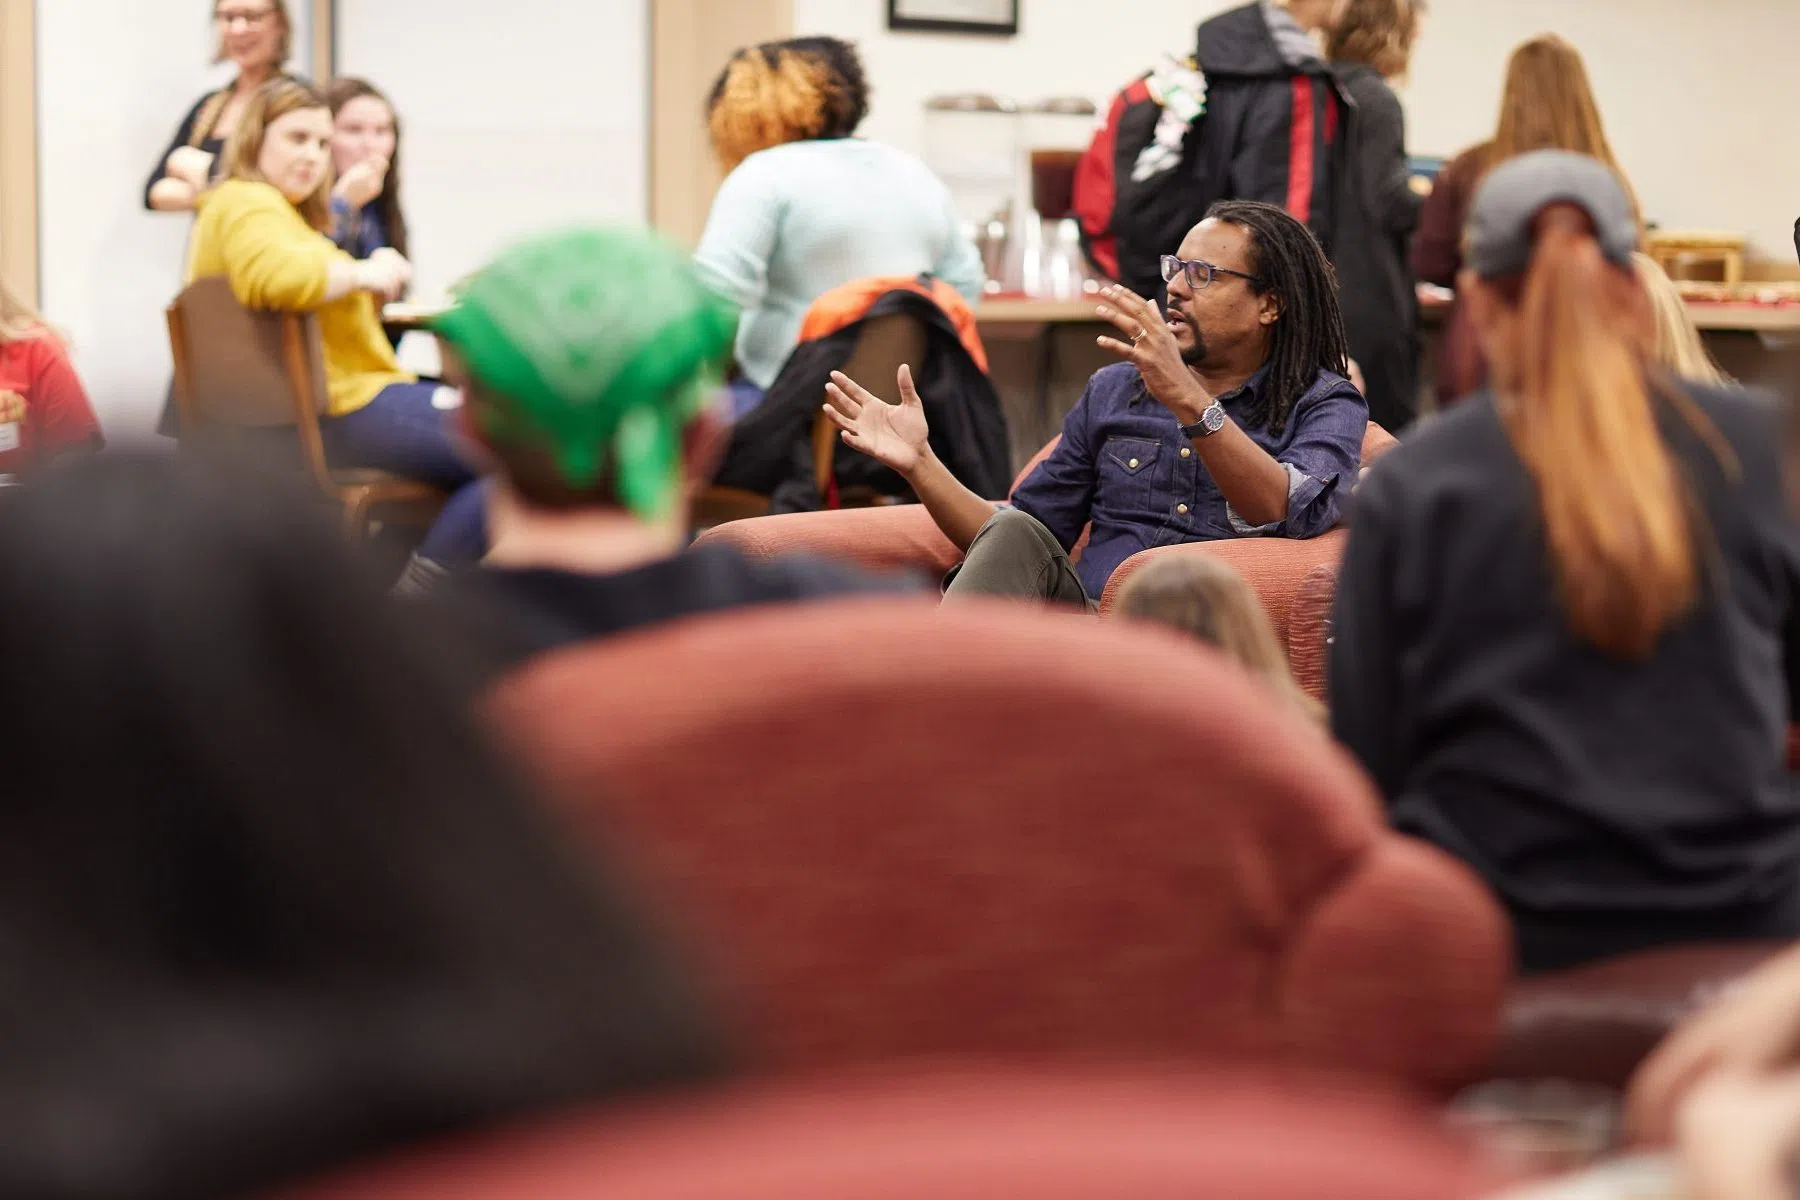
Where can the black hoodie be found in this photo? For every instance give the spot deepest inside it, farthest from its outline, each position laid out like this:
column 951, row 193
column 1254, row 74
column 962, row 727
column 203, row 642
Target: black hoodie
column 1274, row 113
column 1272, row 132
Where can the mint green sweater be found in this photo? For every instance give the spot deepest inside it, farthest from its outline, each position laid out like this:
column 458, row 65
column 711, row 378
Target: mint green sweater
column 795, row 221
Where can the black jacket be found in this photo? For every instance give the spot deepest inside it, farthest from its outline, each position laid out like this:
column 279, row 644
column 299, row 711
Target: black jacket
column 1376, row 213
column 771, row 448
column 1611, row 805
column 1261, row 138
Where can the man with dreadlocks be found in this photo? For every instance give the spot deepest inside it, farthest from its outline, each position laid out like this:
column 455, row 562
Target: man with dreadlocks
column 590, row 363
column 1230, row 417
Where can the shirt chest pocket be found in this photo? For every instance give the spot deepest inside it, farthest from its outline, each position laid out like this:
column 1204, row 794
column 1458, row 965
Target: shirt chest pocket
column 1128, row 472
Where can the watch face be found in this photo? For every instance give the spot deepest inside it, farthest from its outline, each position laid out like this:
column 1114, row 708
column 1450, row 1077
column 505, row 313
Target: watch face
column 1213, row 418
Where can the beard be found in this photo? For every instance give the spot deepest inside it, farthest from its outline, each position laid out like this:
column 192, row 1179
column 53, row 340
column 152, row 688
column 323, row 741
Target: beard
column 1194, row 355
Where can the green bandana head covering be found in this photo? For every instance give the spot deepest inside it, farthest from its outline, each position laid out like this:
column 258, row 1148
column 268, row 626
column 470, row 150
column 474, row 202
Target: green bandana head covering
column 598, row 346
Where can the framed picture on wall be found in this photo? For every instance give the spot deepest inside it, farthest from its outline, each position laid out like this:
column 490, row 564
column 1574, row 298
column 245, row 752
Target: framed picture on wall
column 996, row 17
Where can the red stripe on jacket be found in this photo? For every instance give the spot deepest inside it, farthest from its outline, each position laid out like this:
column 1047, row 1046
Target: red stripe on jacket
column 1300, row 151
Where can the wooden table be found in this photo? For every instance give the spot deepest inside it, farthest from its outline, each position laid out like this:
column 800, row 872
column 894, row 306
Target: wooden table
column 408, row 317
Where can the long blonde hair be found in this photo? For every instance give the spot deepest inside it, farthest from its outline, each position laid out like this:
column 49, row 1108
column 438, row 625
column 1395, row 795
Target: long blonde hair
column 1678, row 345
column 1201, row 596
column 1579, row 403
column 274, row 100
column 19, row 321
column 1548, row 104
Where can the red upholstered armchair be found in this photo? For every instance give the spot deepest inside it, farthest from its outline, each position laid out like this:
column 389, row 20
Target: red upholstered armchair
column 1096, row 1135
column 904, row 538
column 902, row 831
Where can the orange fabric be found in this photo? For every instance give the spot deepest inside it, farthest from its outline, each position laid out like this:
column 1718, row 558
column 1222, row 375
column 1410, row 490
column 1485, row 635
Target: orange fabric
column 886, row 825
column 960, row 1135
column 844, row 306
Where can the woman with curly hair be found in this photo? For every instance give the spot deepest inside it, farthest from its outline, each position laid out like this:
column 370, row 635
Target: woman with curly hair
column 808, row 206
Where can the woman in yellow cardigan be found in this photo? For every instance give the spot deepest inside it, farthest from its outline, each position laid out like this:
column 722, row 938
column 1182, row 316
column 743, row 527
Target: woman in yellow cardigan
column 265, row 228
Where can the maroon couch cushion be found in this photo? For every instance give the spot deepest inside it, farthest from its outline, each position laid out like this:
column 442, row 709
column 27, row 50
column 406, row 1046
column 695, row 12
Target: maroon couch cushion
column 959, row 1135
column 905, row 831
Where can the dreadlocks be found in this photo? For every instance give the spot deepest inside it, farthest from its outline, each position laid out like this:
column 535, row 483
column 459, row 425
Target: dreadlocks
column 783, row 92
column 1309, row 337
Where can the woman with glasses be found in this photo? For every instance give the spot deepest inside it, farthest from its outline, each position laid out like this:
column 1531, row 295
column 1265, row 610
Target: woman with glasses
column 255, row 36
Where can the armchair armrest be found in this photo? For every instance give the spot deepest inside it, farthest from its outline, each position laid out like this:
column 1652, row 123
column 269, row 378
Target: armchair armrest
column 897, row 537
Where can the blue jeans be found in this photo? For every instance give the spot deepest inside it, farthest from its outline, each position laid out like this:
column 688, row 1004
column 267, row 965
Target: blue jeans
column 404, row 431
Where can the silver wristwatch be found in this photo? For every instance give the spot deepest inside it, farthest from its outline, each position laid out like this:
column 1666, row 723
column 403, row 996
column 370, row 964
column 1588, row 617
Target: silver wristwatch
column 1211, row 421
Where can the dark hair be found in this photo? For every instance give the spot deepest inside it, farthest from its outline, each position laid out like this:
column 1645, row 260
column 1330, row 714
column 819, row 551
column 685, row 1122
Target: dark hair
column 780, row 92
column 1288, row 262
column 267, row 900
column 342, row 91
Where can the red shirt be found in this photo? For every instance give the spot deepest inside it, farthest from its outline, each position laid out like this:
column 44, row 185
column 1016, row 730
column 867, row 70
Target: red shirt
column 58, row 416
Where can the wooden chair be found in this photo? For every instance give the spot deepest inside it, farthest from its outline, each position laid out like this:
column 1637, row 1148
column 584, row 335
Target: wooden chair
column 237, row 369
column 885, row 345
column 716, row 505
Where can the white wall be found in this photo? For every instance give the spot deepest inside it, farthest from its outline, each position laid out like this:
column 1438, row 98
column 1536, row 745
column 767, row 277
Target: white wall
column 114, row 79
column 518, row 117
column 1693, row 90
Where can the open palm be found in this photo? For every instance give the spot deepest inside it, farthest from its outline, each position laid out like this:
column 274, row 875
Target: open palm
column 894, row 435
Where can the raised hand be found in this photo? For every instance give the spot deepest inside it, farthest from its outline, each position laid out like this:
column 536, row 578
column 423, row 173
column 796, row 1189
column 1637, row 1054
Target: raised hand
column 1752, row 1030
column 362, row 182
column 894, row 435
column 190, row 165
column 1152, row 349
column 386, row 273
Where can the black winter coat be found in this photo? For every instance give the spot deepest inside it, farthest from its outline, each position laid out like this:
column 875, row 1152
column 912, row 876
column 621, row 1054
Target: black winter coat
column 771, row 448
column 1376, row 213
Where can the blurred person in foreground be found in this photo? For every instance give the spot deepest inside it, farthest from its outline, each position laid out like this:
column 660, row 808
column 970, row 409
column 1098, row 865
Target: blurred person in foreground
column 590, row 364
column 1201, row 596
column 1569, row 609
column 1679, row 346
column 268, row 901
column 1724, row 1089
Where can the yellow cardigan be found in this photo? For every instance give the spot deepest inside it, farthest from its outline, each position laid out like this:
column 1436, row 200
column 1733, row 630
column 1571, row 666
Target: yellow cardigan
column 249, row 233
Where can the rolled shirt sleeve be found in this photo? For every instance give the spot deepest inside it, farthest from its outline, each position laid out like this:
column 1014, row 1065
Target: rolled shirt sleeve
column 1321, row 462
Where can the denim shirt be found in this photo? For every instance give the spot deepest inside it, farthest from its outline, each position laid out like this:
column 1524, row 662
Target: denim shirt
column 1124, row 465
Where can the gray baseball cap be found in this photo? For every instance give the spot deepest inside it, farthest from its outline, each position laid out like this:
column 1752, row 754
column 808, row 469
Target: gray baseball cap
column 1516, row 191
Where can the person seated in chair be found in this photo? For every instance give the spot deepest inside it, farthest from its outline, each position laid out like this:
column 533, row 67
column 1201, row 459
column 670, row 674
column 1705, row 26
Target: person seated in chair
column 265, row 230
column 1231, row 416
column 590, row 363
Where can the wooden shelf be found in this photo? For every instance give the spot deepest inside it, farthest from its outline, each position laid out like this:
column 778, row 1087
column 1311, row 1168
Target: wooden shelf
column 1746, row 318
column 1024, row 310
column 1743, row 318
